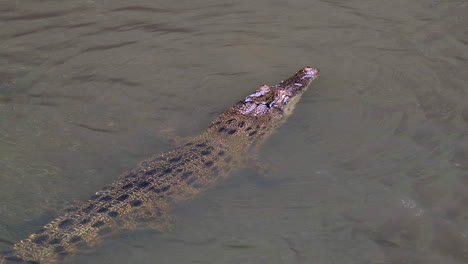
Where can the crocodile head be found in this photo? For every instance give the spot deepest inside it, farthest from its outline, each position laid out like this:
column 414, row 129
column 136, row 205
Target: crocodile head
column 279, row 100
column 255, row 118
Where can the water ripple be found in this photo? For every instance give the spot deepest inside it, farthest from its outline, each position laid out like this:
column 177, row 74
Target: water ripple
column 43, row 15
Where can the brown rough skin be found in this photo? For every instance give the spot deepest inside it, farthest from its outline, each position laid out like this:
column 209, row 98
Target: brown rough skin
column 143, row 196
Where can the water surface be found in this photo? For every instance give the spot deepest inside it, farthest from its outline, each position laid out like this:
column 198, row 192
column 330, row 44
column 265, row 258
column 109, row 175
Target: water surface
column 371, row 167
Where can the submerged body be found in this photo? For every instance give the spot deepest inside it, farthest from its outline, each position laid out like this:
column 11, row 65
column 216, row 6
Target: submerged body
column 142, row 196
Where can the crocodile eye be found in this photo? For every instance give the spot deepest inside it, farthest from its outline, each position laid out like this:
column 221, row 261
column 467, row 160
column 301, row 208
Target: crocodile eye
column 264, row 88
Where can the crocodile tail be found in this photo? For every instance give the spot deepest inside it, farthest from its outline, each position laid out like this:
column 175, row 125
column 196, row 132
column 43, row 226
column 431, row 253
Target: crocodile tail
column 10, row 257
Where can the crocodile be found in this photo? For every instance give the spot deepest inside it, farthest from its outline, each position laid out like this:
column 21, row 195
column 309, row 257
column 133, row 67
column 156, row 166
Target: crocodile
column 144, row 195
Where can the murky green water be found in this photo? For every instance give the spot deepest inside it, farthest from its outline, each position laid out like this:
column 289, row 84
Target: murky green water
column 371, row 167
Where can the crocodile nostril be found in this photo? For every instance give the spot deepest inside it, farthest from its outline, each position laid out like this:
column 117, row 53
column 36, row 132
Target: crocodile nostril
column 312, row 70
